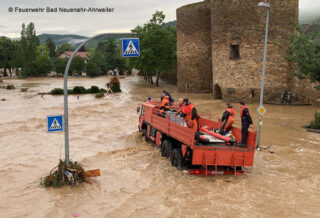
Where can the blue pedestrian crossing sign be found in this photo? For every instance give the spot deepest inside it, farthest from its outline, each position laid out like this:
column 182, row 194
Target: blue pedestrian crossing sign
column 130, row 47
column 55, row 123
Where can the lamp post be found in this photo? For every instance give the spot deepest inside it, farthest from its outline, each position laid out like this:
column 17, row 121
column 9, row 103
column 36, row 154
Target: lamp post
column 265, row 5
column 66, row 120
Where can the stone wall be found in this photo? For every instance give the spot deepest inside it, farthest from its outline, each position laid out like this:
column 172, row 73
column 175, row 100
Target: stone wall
column 242, row 23
column 194, row 69
column 207, row 30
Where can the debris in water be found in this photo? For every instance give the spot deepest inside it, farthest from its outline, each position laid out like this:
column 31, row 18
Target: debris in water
column 10, row 87
column 65, row 175
column 93, row 173
column 24, row 89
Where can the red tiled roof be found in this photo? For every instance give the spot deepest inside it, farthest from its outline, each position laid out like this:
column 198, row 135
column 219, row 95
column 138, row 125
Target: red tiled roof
column 82, row 54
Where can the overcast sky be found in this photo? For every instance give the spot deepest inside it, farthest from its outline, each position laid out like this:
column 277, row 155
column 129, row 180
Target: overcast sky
column 127, row 14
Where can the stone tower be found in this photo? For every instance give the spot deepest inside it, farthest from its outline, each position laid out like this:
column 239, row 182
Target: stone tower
column 236, row 43
column 194, row 48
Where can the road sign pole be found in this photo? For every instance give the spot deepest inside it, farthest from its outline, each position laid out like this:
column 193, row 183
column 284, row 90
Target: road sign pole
column 66, row 122
column 262, row 79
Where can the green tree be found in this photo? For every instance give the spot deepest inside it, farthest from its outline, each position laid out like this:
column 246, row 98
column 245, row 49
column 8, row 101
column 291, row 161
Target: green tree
column 52, row 48
column 157, row 48
column 29, row 42
column 43, row 63
column 60, row 65
column 77, row 65
column 111, row 54
column 96, row 56
column 101, row 46
column 92, row 69
column 304, row 52
column 64, row 47
column 9, row 57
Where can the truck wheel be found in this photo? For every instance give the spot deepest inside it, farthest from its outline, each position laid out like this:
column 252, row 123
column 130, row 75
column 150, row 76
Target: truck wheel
column 164, row 148
column 169, row 149
column 145, row 134
column 177, row 159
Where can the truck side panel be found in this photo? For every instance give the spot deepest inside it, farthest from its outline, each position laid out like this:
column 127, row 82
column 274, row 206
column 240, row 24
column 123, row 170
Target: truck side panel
column 182, row 134
column 160, row 123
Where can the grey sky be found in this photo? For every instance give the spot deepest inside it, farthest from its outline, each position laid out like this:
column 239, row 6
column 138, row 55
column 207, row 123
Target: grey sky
column 127, row 15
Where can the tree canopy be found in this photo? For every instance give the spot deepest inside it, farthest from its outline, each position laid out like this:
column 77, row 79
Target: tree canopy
column 157, row 47
column 52, row 48
column 28, row 45
column 60, row 65
column 77, row 65
column 43, row 64
column 64, row 47
column 9, row 54
column 304, row 52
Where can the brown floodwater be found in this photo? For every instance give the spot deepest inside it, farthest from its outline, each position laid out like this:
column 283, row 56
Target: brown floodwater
column 135, row 180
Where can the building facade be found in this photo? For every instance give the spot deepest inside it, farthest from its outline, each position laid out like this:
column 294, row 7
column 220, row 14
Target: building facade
column 220, row 48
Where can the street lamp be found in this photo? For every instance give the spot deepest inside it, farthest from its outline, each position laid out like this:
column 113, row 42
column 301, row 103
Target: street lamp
column 66, row 120
column 265, row 5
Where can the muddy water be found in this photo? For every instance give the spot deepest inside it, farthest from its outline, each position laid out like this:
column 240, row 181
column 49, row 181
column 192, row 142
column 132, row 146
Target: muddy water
column 136, row 181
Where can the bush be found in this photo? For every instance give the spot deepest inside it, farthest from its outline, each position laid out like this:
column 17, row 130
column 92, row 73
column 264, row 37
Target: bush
column 116, row 88
column 99, row 95
column 79, row 90
column 56, row 91
column 102, row 90
column 93, row 89
column 316, row 123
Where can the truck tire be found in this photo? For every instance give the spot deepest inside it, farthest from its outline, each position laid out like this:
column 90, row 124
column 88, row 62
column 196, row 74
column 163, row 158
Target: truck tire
column 169, row 149
column 163, row 149
column 177, row 159
column 166, row 149
column 145, row 134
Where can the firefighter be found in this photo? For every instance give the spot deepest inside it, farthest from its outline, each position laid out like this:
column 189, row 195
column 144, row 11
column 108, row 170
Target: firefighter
column 189, row 112
column 164, row 93
column 246, row 121
column 165, row 104
column 180, row 101
column 227, row 119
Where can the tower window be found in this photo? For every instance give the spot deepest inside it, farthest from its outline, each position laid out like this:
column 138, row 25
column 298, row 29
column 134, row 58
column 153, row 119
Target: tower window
column 235, row 51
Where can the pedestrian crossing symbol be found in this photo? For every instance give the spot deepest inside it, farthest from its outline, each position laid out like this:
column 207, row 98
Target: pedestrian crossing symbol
column 55, row 123
column 130, row 47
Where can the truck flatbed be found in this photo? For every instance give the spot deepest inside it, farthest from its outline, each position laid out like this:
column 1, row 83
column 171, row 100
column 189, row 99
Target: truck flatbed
column 178, row 142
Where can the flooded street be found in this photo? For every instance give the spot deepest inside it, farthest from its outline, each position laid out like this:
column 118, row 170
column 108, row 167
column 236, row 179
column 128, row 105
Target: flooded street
column 135, row 180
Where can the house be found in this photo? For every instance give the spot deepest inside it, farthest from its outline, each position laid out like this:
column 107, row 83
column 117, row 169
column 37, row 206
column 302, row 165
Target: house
column 82, row 54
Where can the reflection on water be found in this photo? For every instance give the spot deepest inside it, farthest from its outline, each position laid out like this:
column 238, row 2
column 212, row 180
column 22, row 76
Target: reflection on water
column 136, row 181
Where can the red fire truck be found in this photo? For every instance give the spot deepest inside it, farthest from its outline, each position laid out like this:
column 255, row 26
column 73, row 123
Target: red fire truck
column 207, row 156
